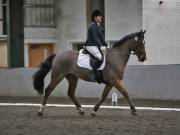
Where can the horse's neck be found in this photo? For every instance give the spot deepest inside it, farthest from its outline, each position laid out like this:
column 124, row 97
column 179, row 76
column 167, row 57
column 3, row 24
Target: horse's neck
column 121, row 55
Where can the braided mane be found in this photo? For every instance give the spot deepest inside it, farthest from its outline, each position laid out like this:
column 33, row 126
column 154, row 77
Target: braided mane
column 125, row 38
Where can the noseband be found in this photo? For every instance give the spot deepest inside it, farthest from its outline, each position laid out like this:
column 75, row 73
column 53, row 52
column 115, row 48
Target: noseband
column 135, row 52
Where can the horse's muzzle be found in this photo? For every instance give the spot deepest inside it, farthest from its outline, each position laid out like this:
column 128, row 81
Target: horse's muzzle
column 142, row 58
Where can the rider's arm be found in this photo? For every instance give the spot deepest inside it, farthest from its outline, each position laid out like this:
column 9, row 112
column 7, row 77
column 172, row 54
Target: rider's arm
column 102, row 39
column 94, row 34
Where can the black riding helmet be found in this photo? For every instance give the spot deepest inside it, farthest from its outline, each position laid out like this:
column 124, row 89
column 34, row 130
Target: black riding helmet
column 96, row 13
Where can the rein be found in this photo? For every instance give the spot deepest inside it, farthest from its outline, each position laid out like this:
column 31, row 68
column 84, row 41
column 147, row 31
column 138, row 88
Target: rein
column 129, row 52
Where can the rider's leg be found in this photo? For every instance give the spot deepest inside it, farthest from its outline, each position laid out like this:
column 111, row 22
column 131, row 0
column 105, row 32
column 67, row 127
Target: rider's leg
column 96, row 53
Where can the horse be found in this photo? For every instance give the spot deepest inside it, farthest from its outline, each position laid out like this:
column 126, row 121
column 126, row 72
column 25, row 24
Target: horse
column 64, row 65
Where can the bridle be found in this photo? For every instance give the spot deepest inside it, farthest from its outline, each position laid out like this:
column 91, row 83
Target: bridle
column 135, row 52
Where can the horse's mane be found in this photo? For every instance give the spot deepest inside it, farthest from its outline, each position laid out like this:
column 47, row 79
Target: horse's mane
column 124, row 39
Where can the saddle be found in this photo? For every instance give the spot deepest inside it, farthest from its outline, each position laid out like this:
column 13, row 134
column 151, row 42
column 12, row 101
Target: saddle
column 87, row 60
column 93, row 59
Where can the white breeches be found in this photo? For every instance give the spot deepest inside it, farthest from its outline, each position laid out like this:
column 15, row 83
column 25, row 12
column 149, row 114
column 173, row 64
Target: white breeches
column 94, row 51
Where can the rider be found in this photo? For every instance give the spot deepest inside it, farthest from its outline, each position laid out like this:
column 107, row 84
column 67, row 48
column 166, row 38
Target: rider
column 95, row 40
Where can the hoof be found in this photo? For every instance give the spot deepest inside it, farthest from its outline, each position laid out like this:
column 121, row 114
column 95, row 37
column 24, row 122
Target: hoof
column 93, row 114
column 81, row 112
column 40, row 113
column 134, row 113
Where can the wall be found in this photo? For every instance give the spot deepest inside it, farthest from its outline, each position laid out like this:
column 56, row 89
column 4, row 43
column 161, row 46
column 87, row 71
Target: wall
column 144, row 82
column 163, row 31
column 1, row 17
column 71, row 23
column 121, row 18
column 3, row 52
column 38, row 35
column 71, row 27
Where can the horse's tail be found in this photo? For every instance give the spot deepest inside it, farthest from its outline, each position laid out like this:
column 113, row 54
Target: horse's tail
column 38, row 78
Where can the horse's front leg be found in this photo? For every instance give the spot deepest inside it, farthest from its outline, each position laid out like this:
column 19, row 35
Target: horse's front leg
column 105, row 93
column 118, row 85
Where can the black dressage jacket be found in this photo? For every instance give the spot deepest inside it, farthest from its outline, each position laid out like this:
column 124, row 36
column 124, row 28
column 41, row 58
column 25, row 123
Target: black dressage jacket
column 95, row 36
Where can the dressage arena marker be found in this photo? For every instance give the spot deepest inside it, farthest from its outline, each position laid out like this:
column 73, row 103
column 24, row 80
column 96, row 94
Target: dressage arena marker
column 91, row 106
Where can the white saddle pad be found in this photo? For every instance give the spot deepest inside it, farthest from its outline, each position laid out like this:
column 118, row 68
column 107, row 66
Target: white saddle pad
column 84, row 61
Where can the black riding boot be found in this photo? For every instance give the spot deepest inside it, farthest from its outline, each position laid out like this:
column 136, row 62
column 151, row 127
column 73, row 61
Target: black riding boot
column 98, row 74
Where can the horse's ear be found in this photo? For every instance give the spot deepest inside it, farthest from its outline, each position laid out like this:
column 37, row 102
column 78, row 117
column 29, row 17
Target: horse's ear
column 144, row 32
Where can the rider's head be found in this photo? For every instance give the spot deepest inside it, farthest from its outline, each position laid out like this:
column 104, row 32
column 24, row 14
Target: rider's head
column 97, row 16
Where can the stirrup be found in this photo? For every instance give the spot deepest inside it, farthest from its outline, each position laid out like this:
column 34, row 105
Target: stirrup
column 99, row 77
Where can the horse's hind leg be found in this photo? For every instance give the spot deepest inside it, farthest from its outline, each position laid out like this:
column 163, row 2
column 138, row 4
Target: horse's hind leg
column 72, row 80
column 118, row 85
column 105, row 93
column 48, row 91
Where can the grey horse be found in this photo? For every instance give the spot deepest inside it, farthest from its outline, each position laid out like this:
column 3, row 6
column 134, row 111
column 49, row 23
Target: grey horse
column 64, row 65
